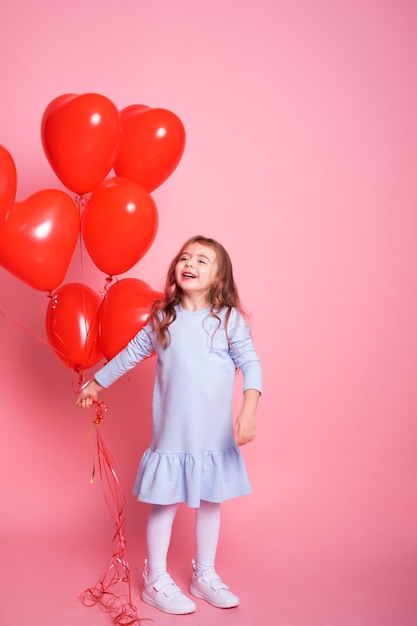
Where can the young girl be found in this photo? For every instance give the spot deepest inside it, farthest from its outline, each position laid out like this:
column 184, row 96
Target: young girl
column 200, row 337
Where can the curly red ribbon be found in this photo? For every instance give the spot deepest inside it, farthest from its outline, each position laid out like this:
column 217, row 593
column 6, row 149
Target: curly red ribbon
column 119, row 607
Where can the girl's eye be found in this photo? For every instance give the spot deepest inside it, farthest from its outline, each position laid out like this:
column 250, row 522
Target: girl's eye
column 202, row 261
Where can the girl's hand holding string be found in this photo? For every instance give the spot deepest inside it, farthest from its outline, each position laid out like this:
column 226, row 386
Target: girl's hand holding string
column 88, row 394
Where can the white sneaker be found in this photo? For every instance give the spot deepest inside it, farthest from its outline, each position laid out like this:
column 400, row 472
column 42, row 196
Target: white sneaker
column 211, row 588
column 166, row 596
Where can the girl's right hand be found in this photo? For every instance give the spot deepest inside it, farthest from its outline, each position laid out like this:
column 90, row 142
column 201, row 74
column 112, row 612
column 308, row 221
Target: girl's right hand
column 88, row 395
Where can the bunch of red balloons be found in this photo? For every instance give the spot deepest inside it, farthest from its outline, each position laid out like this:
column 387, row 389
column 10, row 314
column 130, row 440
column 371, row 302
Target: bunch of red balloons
column 84, row 138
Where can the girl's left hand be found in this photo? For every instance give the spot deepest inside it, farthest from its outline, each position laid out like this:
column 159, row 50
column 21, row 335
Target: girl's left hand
column 244, row 430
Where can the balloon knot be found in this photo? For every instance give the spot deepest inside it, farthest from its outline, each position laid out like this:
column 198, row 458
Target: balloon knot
column 81, row 201
column 54, row 300
column 108, row 284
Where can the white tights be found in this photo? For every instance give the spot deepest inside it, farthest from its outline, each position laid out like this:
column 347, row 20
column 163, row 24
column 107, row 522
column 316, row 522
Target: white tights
column 159, row 530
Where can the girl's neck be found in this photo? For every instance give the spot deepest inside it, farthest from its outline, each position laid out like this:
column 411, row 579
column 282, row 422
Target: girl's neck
column 194, row 303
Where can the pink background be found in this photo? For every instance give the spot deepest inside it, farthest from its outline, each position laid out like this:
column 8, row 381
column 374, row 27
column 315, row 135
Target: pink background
column 301, row 120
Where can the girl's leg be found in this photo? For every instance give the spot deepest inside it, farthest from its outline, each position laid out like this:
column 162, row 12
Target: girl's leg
column 159, row 589
column 206, row 583
column 158, row 537
column 207, row 529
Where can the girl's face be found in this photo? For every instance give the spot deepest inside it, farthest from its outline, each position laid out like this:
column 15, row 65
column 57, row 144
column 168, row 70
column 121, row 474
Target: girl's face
column 196, row 269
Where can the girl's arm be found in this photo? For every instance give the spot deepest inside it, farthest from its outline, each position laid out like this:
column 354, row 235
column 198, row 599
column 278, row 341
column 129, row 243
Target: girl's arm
column 136, row 350
column 245, row 427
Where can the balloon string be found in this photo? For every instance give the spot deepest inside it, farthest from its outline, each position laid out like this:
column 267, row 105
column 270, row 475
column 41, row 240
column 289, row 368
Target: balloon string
column 119, row 607
column 79, row 371
column 81, row 201
column 27, row 330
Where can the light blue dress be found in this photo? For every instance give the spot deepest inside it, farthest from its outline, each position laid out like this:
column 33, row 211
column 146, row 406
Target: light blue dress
column 193, row 455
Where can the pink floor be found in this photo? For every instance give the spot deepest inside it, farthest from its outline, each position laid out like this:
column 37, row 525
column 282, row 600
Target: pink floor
column 43, row 575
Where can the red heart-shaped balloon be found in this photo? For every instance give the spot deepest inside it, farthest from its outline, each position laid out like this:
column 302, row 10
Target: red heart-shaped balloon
column 81, row 137
column 151, row 147
column 72, row 325
column 118, row 225
column 8, row 183
column 125, row 310
column 39, row 237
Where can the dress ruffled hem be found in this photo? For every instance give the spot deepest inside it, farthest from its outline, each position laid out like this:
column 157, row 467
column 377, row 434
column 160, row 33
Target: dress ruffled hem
column 213, row 476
